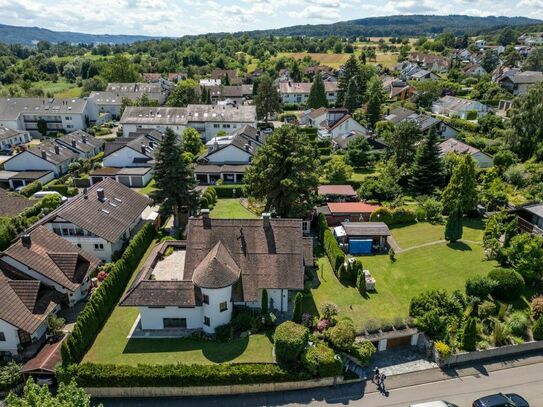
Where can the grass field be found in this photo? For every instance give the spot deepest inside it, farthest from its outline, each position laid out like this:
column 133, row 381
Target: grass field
column 60, row 89
column 439, row 266
column 360, row 174
column 147, row 189
column 336, row 60
column 231, row 208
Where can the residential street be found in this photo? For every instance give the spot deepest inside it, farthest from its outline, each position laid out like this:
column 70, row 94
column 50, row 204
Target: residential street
column 524, row 380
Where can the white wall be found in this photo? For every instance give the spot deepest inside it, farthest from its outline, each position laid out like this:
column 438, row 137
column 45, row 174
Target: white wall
column 15, row 140
column 27, row 161
column 151, row 318
column 124, row 158
column 212, row 310
column 132, row 127
column 346, row 127
column 12, row 338
column 279, row 295
column 230, row 154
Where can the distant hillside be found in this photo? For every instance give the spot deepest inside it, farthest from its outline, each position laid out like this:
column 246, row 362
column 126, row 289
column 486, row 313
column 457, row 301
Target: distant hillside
column 411, row 25
column 31, row 35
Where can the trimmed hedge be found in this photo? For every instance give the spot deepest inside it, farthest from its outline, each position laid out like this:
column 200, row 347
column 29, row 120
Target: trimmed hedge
column 509, row 284
column 31, row 188
column 331, row 247
column 320, row 361
column 227, row 191
column 392, row 217
column 57, row 187
column 97, row 310
column 179, row 375
column 290, row 340
column 363, row 351
column 342, row 335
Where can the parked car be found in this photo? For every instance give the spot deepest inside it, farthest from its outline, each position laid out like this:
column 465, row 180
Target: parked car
column 440, row 403
column 43, row 194
column 501, row 400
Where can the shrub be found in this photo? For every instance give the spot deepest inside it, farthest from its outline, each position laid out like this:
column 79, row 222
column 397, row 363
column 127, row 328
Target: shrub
column 328, row 310
column 363, row 351
column 10, row 376
column 537, row 329
column 342, row 335
column 290, row 340
column 223, row 333
column 31, row 188
column 179, row 375
column 264, row 302
column 230, row 191
column 382, row 214
column 518, row 323
column 297, row 315
column 320, row 361
column 243, row 321
column 486, row 309
column 332, row 250
column 509, row 284
column 433, row 209
column 323, row 325
column 402, row 216
column 443, row 350
column 469, row 334
column 480, row 286
column 361, row 282
column 537, row 307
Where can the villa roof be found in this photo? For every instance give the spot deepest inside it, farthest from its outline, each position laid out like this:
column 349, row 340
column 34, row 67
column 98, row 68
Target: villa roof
column 217, row 270
column 12, row 204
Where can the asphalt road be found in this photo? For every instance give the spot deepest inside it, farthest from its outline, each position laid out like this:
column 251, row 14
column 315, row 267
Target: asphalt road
column 525, row 380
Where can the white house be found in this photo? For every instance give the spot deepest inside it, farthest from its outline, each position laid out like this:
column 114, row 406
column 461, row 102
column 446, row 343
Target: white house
column 224, row 263
column 228, row 157
column 207, row 119
column 10, row 138
column 100, row 220
column 453, row 145
column 55, row 262
column 110, row 100
column 457, row 107
column 48, row 156
column 24, row 308
column 298, row 92
column 56, row 114
column 82, row 143
column 519, row 82
column 331, row 123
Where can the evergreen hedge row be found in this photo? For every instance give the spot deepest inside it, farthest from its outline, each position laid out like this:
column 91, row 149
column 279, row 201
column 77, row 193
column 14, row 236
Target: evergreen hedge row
column 227, row 191
column 331, row 247
column 176, row 375
column 97, row 310
column 31, row 188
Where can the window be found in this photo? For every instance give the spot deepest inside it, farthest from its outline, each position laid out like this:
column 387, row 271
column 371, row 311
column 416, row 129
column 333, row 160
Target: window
column 174, row 322
column 2, row 337
column 207, row 322
column 223, row 306
column 216, row 125
column 206, row 299
column 67, row 117
column 98, row 246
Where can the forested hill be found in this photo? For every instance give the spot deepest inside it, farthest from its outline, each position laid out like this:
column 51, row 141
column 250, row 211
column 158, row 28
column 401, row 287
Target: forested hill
column 30, row 35
column 396, row 26
column 411, row 25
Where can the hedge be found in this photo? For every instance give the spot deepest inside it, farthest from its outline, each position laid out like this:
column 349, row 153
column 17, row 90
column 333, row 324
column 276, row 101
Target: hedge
column 363, row 351
column 320, row 361
column 392, row 217
column 331, row 247
column 227, row 191
column 101, row 303
column 290, row 340
column 31, row 188
column 509, row 284
column 176, row 375
column 57, row 187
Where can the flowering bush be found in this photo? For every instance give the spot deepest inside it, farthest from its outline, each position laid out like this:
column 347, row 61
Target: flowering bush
column 102, row 276
column 323, row 325
column 307, row 320
column 443, row 349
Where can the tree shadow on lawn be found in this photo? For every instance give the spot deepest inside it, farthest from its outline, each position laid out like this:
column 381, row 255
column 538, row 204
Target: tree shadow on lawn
column 461, row 246
column 216, row 352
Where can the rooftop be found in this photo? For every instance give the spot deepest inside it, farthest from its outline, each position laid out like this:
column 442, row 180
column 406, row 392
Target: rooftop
column 341, row 190
column 457, row 146
column 12, row 204
column 351, row 207
column 305, row 87
column 366, row 228
column 11, row 108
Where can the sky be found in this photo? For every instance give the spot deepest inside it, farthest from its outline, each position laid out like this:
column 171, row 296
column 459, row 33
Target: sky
column 180, row 17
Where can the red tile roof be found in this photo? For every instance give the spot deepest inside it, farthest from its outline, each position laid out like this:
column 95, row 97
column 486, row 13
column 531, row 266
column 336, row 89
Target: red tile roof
column 344, row 190
column 46, row 360
column 351, row 207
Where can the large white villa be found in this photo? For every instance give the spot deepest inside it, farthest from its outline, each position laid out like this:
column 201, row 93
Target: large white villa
column 224, row 263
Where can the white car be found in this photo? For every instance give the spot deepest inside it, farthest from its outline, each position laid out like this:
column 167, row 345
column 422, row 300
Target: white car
column 440, row 403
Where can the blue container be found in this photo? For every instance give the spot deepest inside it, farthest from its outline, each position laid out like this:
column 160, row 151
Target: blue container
column 360, row 246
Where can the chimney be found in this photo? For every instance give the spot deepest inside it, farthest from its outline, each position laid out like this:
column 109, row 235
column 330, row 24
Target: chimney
column 151, row 144
column 84, row 139
column 85, row 196
column 143, row 149
column 257, row 137
column 206, row 219
column 57, row 149
column 101, row 194
column 266, row 219
column 44, row 154
column 73, row 143
column 26, row 240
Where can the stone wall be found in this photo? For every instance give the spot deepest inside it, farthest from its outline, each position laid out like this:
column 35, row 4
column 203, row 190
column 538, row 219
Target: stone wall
column 212, row 390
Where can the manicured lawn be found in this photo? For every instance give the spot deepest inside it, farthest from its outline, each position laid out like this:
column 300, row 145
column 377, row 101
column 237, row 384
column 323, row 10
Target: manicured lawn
column 232, row 209
column 147, row 189
column 360, row 174
column 113, row 346
column 439, row 266
column 422, row 233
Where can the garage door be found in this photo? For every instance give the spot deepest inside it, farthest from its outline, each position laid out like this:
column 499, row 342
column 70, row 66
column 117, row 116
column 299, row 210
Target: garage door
column 399, row 342
column 137, row 182
column 123, row 179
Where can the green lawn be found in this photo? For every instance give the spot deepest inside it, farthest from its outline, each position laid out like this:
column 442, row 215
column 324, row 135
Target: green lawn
column 360, row 174
column 60, row 89
column 147, row 189
column 231, row 209
column 113, row 346
column 437, row 266
column 422, row 233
